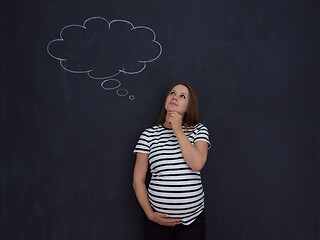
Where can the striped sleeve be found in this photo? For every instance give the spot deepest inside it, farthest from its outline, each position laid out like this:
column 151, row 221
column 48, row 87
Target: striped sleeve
column 143, row 145
column 203, row 135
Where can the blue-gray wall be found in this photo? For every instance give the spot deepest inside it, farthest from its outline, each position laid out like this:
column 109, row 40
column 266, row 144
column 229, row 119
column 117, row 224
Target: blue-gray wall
column 66, row 143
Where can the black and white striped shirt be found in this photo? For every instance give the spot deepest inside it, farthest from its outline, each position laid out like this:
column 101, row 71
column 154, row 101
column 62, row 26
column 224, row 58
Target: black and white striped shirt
column 174, row 188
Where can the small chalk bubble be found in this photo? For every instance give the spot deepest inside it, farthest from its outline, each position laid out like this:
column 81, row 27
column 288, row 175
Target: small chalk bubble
column 122, row 92
column 131, row 97
column 110, row 84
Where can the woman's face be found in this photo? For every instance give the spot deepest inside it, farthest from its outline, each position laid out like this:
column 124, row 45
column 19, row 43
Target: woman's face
column 178, row 100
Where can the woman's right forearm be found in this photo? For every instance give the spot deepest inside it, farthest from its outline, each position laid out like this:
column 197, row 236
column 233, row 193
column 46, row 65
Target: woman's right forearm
column 142, row 196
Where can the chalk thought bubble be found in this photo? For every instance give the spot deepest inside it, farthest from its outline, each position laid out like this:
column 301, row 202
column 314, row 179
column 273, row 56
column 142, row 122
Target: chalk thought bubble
column 103, row 49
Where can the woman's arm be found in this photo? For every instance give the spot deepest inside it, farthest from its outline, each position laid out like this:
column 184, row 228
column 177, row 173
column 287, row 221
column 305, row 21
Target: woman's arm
column 139, row 175
column 194, row 155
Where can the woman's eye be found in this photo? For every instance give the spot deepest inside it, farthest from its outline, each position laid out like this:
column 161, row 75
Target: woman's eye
column 183, row 96
column 172, row 93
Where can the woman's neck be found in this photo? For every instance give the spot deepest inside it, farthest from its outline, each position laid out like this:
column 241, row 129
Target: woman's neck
column 167, row 124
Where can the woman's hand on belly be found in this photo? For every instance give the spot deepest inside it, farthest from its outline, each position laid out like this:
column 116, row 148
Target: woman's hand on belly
column 163, row 219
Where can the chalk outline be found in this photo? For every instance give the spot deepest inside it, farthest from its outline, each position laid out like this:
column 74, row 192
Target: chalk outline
column 124, row 94
column 112, row 88
column 109, row 25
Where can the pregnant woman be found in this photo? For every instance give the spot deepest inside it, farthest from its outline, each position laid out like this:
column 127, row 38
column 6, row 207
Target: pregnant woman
column 175, row 150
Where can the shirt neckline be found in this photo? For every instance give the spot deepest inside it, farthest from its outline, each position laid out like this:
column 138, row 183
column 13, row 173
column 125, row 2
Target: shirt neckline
column 161, row 124
column 165, row 127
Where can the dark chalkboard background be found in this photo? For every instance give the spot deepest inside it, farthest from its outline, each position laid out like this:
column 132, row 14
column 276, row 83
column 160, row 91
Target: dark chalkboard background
column 66, row 143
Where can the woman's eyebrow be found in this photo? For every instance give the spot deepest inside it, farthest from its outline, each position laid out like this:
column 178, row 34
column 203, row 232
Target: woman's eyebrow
column 176, row 91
